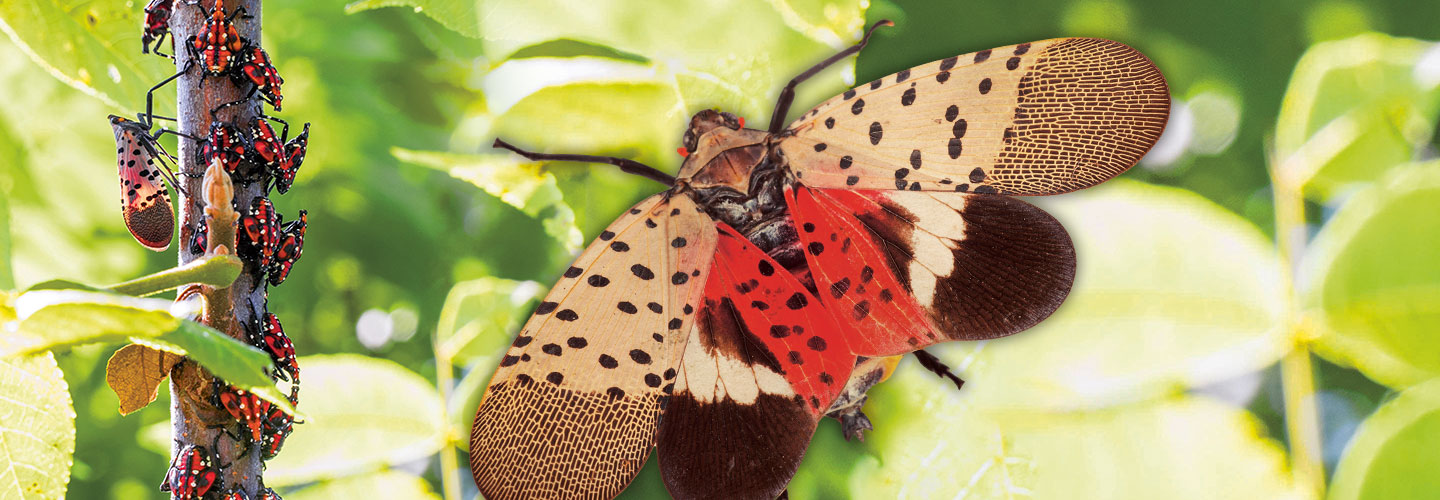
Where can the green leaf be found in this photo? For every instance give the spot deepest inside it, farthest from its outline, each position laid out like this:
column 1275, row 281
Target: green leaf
column 600, row 105
column 458, row 15
column 37, row 428
column 768, row 29
column 465, row 398
column 1372, row 279
column 932, row 442
column 1171, row 291
column 1396, row 451
column 92, row 46
column 62, row 319
column 521, row 185
column 7, row 273
column 388, row 484
column 218, row 271
column 1354, row 108
column 480, row 316
column 364, row 413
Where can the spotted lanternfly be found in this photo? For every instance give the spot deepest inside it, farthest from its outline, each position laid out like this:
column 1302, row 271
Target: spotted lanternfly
column 245, row 407
column 227, row 144
column 259, row 232
column 737, row 302
column 294, row 156
column 192, row 474
column 235, row 493
column 256, row 69
column 266, row 148
column 157, row 25
column 272, row 339
column 268, row 494
column 144, row 199
column 277, row 428
column 292, row 242
column 200, row 239
column 218, row 46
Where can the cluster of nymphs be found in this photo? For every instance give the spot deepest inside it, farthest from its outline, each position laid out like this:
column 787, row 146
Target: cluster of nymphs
column 251, row 153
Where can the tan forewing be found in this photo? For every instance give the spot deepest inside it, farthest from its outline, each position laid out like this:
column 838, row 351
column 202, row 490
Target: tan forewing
column 1031, row 119
column 144, row 199
column 574, row 407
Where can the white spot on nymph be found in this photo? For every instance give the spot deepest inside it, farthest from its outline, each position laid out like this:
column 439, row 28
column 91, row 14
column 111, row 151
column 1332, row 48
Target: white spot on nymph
column 712, row 378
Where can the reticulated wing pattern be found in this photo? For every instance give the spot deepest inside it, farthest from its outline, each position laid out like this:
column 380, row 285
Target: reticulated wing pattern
column 1030, row 119
column 763, row 362
column 573, row 410
column 978, row 266
column 144, row 199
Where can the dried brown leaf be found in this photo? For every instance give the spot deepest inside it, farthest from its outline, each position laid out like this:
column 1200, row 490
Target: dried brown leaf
column 135, row 371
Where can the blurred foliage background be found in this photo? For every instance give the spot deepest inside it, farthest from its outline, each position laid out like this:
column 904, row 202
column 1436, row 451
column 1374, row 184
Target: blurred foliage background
column 1284, row 227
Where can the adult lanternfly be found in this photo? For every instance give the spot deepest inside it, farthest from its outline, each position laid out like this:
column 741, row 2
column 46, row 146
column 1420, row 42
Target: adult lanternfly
column 144, row 199
column 737, row 302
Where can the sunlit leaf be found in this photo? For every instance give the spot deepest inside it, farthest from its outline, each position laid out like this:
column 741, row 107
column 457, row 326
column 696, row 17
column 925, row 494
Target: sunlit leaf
column 1170, row 291
column 92, row 46
column 523, row 186
column 1373, row 279
column 388, row 484
column 57, row 320
column 1396, row 451
column 37, row 428
column 363, row 413
column 62, row 319
column 932, row 442
column 599, row 105
column 465, row 397
column 635, row 26
column 480, row 316
column 7, row 274
column 458, row 15
column 1354, row 108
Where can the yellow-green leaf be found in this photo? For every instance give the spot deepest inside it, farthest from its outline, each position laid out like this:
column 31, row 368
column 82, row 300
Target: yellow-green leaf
column 458, row 15
column 1354, row 108
column 388, row 485
column 37, row 428
column 61, row 319
column 480, row 316
column 1171, row 290
column 92, row 46
column 1372, row 278
column 1396, row 451
column 363, row 413
column 932, row 442
column 521, row 185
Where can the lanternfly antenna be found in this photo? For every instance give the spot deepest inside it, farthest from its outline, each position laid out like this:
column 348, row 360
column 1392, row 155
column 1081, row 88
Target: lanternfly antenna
column 627, row 165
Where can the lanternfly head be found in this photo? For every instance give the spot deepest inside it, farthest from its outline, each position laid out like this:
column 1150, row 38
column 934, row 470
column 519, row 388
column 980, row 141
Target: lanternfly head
column 706, row 121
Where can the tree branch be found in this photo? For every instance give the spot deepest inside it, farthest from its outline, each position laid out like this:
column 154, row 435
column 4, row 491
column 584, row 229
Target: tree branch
column 196, row 95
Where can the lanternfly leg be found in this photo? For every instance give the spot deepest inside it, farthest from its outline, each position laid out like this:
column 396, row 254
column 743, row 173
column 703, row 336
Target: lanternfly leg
column 248, row 95
column 626, row 165
column 150, row 96
column 932, row 363
column 787, row 96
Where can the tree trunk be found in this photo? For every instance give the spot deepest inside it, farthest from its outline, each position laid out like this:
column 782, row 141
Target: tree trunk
column 196, row 95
